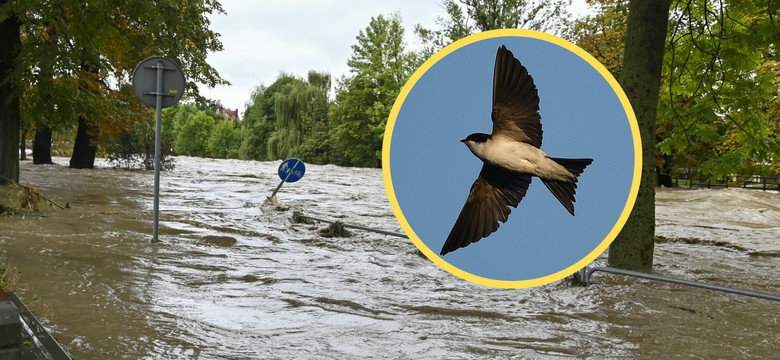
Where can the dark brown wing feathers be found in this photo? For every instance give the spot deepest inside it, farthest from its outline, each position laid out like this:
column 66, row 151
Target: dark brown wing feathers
column 515, row 101
column 491, row 195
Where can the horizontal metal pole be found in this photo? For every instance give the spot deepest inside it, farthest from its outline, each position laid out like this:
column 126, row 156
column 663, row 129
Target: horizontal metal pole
column 161, row 66
column 588, row 273
column 156, row 93
column 356, row 227
column 375, row 230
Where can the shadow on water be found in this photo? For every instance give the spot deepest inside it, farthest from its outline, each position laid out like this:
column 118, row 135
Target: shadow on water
column 233, row 277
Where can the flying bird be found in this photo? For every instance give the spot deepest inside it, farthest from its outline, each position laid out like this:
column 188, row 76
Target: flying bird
column 511, row 156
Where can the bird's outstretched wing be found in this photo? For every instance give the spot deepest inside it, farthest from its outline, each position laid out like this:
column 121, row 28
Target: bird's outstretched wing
column 515, row 101
column 490, row 197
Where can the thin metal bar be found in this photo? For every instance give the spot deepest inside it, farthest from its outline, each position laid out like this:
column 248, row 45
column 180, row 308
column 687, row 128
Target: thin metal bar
column 356, row 227
column 385, row 232
column 157, row 150
column 159, row 65
column 43, row 340
column 158, row 93
column 588, row 273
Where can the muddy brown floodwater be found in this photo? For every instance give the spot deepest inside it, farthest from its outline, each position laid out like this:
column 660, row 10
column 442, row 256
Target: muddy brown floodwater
column 234, row 278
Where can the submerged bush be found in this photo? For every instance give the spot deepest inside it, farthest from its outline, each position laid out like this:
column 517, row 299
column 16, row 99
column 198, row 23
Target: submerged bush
column 335, row 229
column 134, row 149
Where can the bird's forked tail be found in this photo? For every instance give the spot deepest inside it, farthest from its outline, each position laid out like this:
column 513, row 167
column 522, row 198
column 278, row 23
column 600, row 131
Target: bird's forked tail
column 564, row 190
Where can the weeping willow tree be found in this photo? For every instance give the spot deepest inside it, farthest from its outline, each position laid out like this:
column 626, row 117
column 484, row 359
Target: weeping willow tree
column 296, row 107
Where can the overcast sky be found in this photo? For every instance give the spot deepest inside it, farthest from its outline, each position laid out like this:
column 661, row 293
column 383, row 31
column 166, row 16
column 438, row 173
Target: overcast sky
column 262, row 39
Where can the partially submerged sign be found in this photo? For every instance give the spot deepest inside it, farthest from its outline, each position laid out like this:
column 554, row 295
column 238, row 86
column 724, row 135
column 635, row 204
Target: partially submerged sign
column 158, row 82
column 291, row 170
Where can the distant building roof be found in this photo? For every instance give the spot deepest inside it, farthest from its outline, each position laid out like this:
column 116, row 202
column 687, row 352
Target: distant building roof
column 228, row 113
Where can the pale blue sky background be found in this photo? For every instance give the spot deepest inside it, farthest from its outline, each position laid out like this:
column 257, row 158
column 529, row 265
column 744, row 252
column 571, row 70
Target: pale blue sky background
column 432, row 171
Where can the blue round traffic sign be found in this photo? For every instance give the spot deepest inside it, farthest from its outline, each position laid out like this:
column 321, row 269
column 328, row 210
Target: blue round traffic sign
column 292, row 170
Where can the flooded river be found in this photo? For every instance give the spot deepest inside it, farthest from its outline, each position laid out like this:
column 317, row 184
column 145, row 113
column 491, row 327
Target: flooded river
column 234, row 278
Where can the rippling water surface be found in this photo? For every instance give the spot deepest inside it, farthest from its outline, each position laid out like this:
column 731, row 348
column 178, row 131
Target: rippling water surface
column 234, row 278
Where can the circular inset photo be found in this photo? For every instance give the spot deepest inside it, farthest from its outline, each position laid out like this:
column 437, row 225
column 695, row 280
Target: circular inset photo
column 512, row 158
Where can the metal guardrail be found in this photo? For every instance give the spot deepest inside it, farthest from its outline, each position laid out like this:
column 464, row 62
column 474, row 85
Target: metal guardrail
column 342, row 225
column 50, row 348
column 37, row 341
column 585, row 275
column 746, row 182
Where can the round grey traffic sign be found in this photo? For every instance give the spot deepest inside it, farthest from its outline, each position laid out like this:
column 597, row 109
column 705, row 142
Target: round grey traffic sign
column 145, row 81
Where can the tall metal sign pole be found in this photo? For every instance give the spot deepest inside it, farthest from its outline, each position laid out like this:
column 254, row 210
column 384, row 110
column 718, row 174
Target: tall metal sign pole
column 158, row 82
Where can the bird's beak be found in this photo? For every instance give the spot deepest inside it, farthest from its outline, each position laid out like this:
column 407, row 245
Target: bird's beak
column 463, row 141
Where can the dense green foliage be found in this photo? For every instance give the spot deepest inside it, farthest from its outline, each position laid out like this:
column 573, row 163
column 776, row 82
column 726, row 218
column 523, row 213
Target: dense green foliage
column 134, row 149
column 273, row 124
column 256, row 126
column 719, row 108
column 224, row 140
column 602, row 34
column 466, row 17
column 719, row 111
column 193, row 134
column 294, row 118
column 379, row 67
column 76, row 59
column 196, row 129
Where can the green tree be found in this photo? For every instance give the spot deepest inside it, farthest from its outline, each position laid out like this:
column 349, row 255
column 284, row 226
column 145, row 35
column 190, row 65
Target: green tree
column 225, row 140
column 254, row 131
column 718, row 106
column 134, row 149
column 282, row 119
column 176, row 114
column 317, row 146
column 466, row 17
column 721, row 81
column 260, row 120
column 603, row 33
column 297, row 106
column 193, row 135
column 379, row 67
column 75, row 53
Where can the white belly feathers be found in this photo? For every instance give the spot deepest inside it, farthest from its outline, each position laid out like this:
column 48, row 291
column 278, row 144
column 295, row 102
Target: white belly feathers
column 520, row 157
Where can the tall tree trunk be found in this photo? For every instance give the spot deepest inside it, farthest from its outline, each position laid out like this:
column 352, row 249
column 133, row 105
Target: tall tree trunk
column 641, row 80
column 83, row 151
column 10, row 43
column 42, row 145
column 23, row 146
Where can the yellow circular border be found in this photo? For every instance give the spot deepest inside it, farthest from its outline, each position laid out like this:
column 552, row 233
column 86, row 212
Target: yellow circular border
column 389, row 182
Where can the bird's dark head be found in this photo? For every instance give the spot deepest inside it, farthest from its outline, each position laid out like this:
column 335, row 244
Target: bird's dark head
column 476, row 143
column 477, row 138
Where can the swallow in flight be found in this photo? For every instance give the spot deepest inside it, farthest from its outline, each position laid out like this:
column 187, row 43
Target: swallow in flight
column 510, row 156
